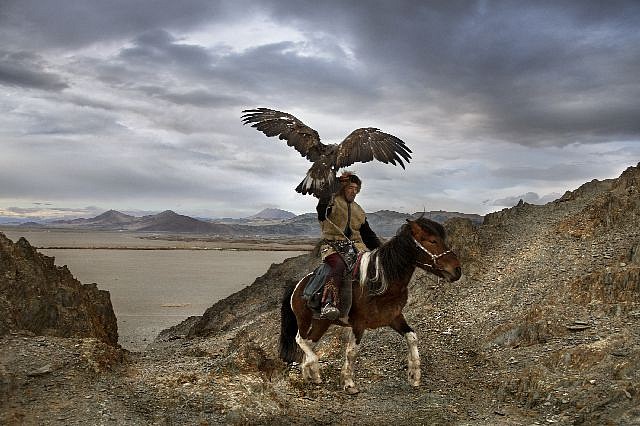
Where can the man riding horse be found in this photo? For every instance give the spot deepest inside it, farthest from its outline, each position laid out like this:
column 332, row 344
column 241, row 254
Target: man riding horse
column 345, row 233
column 385, row 272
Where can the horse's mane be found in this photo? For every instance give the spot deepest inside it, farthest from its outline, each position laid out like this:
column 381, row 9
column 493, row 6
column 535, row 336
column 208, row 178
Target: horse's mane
column 398, row 255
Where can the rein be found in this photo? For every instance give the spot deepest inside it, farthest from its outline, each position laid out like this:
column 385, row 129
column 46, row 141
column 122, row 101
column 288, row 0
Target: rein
column 379, row 277
column 434, row 257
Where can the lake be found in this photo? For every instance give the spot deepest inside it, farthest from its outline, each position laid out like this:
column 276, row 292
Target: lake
column 152, row 289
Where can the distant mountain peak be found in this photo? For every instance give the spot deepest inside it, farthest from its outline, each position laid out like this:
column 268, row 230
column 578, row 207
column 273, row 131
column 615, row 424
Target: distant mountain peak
column 112, row 213
column 112, row 216
column 272, row 213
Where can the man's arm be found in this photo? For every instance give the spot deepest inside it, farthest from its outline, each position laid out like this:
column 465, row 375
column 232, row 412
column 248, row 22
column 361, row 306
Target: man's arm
column 323, row 208
column 369, row 238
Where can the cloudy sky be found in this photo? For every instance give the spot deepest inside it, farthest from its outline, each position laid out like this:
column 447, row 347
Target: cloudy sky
column 135, row 105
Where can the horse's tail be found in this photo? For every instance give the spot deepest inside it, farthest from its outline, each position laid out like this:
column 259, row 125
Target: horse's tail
column 289, row 349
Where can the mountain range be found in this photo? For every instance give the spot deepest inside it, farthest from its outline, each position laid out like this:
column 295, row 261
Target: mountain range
column 268, row 222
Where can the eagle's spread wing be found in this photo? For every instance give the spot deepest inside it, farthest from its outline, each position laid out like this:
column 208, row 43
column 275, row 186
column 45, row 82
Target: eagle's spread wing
column 287, row 127
column 364, row 145
column 361, row 145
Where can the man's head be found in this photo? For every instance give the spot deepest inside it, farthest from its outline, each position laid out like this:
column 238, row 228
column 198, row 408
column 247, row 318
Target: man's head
column 350, row 185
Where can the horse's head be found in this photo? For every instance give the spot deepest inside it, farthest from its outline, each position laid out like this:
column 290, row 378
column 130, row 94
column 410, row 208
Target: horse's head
column 433, row 254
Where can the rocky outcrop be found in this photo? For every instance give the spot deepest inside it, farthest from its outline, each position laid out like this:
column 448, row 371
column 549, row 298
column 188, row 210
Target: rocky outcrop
column 45, row 299
column 614, row 204
column 500, row 217
column 587, row 190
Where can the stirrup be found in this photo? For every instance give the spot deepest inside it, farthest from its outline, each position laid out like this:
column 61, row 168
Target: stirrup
column 329, row 312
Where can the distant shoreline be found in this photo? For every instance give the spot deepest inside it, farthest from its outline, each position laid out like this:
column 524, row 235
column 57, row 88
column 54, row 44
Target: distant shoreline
column 67, row 239
column 244, row 248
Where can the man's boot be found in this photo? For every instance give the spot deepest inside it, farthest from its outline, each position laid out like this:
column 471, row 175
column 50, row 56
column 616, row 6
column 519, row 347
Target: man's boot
column 330, row 300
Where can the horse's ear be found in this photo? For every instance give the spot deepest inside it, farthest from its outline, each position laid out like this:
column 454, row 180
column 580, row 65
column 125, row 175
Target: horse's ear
column 416, row 229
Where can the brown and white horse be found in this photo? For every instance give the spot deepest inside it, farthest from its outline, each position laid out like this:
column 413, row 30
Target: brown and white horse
column 378, row 299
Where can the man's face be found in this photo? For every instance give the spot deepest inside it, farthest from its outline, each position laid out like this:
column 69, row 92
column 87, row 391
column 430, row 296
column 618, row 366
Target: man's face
column 350, row 192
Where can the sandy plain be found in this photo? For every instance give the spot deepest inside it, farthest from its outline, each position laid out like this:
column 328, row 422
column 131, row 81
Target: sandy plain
column 158, row 280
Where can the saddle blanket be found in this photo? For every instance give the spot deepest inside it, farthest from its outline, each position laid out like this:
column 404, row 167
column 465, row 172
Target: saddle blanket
column 312, row 292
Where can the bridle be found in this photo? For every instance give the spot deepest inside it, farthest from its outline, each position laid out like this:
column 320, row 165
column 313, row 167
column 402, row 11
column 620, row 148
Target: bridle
column 434, row 257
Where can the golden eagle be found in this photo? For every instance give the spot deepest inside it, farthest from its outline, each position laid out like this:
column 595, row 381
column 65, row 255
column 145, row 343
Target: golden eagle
column 362, row 145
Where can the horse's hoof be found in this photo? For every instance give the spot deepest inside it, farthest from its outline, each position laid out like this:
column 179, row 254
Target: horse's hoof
column 351, row 390
column 316, row 379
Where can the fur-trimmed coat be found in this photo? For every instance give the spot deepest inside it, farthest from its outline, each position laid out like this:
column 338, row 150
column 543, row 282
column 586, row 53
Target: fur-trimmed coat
column 334, row 215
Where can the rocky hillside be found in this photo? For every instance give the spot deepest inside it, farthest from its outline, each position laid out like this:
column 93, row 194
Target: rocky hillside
column 543, row 328
column 56, row 334
column 37, row 296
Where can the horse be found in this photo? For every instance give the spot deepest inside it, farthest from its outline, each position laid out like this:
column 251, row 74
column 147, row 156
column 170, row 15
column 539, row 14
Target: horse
column 379, row 296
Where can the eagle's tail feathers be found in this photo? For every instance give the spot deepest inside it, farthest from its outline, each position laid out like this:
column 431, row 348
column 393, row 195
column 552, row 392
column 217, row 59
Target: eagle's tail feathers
column 317, row 186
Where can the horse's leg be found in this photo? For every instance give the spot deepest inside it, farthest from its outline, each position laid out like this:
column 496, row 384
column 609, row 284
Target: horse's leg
column 400, row 325
column 310, row 366
column 346, row 375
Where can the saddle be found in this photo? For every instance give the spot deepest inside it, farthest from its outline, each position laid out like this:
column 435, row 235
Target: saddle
column 312, row 292
column 314, row 289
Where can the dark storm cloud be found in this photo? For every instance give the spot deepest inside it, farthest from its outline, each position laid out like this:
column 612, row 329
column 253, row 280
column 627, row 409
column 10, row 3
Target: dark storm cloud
column 91, row 102
column 279, row 72
column 70, row 24
column 539, row 73
column 203, row 98
column 27, row 70
column 223, row 79
column 275, row 70
column 159, row 47
column 535, row 73
column 184, row 65
column 66, row 120
column 196, row 97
